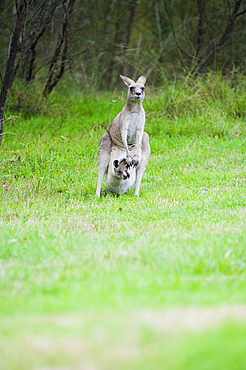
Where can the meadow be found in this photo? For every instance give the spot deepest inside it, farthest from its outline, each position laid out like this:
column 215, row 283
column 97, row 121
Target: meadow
column 155, row 281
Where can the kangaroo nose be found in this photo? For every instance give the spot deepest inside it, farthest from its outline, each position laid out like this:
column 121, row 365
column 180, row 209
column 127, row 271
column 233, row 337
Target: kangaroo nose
column 126, row 176
column 138, row 93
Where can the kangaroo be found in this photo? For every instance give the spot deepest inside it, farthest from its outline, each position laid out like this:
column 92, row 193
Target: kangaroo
column 125, row 139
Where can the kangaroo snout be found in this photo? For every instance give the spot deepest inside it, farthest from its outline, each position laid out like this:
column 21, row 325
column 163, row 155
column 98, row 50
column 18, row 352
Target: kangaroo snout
column 125, row 177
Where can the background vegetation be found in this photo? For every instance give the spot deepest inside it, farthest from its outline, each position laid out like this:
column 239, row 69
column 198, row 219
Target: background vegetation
column 101, row 39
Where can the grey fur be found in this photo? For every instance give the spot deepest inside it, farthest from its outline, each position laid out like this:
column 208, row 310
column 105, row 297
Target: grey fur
column 125, row 139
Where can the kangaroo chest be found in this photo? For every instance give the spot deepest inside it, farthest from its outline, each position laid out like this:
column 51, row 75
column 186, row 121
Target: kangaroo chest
column 134, row 124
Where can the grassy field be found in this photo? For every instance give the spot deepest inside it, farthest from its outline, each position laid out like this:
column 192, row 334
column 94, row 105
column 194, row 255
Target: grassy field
column 150, row 282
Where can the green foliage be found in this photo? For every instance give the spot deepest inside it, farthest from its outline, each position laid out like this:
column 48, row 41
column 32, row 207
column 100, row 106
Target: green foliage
column 213, row 101
column 155, row 281
column 217, row 102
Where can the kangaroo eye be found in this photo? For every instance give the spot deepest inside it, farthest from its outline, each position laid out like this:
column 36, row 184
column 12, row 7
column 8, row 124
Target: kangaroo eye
column 142, row 88
column 120, row 172
column 132, row 88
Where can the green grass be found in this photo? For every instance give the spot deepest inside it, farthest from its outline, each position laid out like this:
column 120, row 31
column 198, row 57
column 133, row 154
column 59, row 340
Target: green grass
column 150, row 282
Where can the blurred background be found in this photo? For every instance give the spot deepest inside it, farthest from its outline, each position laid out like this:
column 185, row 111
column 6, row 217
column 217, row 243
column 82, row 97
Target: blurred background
column 93, row 41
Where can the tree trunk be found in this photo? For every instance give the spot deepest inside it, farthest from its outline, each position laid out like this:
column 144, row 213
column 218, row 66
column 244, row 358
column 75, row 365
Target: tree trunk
column 12, row 66
column 57, row 68
column 37, row 30
column 122, row 35
column 200, row 27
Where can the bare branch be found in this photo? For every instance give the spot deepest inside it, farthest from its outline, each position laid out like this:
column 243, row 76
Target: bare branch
column 61, row 49
column 174, row 35
column 10, row 29
column 39, row 25
column 240, row 13
column 226, row 34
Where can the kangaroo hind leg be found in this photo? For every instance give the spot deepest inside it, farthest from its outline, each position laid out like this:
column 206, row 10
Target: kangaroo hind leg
column 104, row 152
column 145, row 152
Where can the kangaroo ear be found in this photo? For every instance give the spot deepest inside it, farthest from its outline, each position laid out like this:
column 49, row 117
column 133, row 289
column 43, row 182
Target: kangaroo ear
column 127, row 80
column 115, row 163
column 141, row 80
